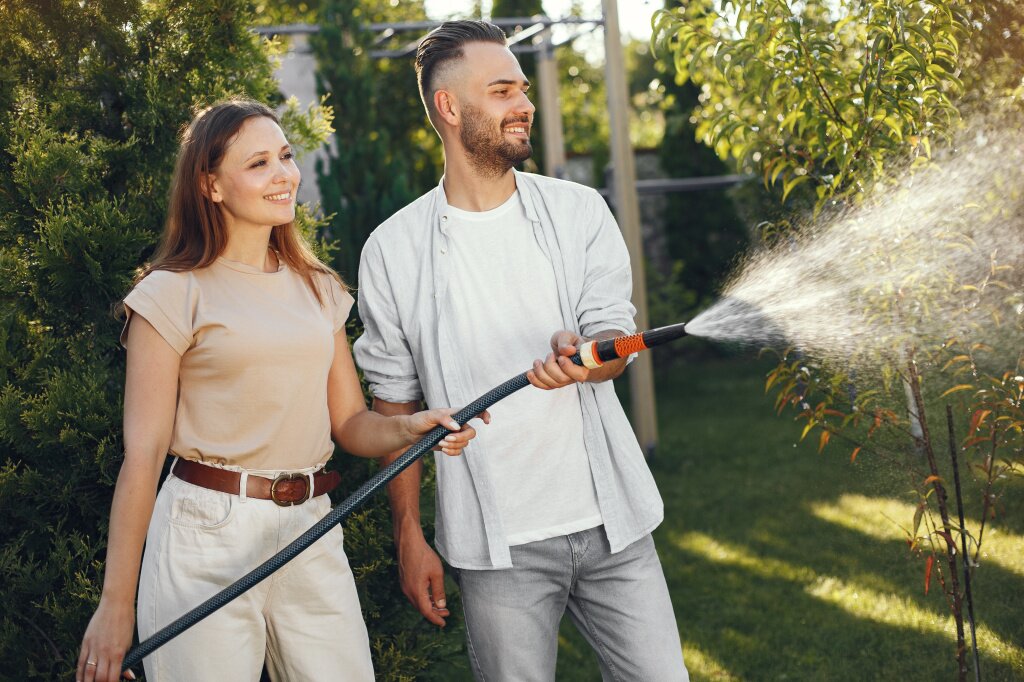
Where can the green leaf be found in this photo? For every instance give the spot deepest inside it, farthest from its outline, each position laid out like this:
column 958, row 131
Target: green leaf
column 923, row 34
column 894, row 125
column 782, row 164
column 791, row 184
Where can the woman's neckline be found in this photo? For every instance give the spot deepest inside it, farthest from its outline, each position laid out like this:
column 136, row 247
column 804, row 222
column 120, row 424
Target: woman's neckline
column 252, row 269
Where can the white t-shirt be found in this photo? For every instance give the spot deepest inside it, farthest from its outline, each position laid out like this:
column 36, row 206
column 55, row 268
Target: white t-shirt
column 506, row 307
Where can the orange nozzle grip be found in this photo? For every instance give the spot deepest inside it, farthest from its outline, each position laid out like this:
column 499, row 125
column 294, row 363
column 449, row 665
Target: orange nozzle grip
column 627, row 345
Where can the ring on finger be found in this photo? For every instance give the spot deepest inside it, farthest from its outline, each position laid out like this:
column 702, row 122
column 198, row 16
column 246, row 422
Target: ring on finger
column 90, row 662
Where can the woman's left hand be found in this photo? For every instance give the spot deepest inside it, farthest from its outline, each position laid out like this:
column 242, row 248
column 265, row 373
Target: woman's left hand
column 421, row 423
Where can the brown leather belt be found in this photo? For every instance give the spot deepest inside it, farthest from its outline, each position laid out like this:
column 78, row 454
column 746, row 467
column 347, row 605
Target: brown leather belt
column 285, row 490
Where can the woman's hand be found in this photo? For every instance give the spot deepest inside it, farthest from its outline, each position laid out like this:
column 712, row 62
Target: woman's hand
column 419, row 424
column 105, row 644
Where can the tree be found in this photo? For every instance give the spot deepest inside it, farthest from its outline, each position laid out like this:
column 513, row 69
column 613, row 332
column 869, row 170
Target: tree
column 842, row 106
column 704, row 231
column 92, row 96
column 384, row 153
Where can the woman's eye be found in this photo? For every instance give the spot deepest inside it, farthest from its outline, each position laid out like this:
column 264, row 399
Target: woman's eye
column 259, row 163
column 289, row 155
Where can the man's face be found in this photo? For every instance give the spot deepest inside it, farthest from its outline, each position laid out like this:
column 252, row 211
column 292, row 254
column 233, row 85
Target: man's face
column 496, row 114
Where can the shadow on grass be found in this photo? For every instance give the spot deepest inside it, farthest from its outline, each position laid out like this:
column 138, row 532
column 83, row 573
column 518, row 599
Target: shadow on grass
column 815, row 611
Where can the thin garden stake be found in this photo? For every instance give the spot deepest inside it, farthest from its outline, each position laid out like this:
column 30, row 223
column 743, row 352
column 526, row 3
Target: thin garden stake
column 591, row 355
column 963, row 540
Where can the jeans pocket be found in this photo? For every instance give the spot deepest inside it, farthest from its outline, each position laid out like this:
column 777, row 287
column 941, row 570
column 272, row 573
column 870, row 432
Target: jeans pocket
column 203, row 512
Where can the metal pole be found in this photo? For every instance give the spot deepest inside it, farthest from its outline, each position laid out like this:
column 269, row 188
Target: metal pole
column 963, row 542
column 550, row 108
column 627, row 211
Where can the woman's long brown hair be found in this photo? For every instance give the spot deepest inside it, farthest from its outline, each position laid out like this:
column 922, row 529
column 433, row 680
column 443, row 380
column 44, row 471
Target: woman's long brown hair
column 195, row 233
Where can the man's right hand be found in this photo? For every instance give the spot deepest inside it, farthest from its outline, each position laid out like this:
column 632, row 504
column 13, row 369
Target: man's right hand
column 422, row 578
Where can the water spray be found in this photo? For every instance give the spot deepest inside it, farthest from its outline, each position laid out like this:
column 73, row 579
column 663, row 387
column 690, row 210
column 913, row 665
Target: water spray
column 592, row 354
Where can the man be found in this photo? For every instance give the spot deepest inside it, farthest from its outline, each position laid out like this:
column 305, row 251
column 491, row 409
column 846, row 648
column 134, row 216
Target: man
column 552, row 506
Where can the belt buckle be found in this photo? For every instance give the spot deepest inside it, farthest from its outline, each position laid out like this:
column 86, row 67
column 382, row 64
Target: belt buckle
column 288, row 477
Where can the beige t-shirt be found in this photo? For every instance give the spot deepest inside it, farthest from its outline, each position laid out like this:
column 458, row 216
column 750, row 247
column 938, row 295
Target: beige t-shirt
column 256, row 348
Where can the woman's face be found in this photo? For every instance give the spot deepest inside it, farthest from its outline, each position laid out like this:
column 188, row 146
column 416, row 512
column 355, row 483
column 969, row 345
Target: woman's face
column 256, row 181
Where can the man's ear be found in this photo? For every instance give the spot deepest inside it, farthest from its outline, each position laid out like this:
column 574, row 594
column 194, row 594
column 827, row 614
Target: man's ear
column 447, row 106
column 209, row 187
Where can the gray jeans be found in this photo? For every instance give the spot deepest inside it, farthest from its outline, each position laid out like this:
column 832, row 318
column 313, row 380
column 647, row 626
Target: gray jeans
column 620, row 603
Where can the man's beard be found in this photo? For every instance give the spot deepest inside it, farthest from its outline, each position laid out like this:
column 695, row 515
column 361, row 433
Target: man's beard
column 489, row 152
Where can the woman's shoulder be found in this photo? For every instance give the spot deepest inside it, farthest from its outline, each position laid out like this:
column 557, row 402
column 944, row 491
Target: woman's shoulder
column 335, row 296
column 335, row 288
column 173, row 287
column 327, row 281
column 165, row 282
column 167, row 300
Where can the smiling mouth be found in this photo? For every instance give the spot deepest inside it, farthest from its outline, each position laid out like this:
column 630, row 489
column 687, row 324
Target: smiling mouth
column 278, row 197
column 517, row 129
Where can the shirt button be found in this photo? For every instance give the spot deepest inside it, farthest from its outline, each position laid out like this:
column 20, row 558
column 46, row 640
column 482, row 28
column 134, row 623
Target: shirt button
column 443, row 251
column 444, row 217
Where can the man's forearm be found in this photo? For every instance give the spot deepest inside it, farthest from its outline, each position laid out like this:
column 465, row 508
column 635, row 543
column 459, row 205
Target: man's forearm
column 612, row 369
column 404, row 489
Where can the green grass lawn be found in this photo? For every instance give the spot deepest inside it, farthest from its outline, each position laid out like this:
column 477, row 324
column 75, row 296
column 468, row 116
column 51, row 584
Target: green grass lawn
column 788, row 564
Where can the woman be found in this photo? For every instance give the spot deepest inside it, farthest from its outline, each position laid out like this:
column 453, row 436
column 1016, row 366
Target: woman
column 238, row 366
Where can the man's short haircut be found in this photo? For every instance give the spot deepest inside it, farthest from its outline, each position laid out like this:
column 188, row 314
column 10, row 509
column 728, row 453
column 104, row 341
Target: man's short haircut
column 444, row 45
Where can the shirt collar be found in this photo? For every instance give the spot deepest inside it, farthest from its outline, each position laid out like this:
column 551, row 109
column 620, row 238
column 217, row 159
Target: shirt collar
column 523, row 184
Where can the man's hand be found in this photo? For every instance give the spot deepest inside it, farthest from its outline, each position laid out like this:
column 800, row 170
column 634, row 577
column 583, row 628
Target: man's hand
column 422, row 578
column 557, row 370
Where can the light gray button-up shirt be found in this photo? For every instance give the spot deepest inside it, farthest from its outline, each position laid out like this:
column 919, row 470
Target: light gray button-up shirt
column 410, row 352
